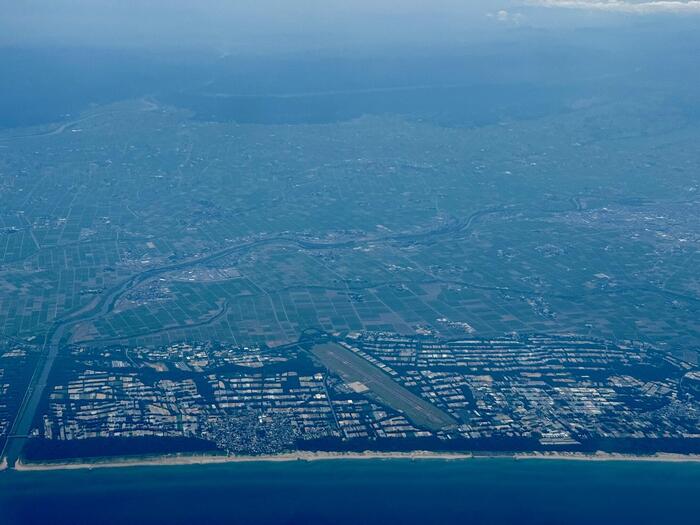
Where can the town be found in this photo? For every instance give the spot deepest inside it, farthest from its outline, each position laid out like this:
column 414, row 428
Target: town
column 362, row 390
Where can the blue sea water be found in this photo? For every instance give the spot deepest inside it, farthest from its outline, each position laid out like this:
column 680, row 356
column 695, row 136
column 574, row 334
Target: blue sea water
column 494, row 491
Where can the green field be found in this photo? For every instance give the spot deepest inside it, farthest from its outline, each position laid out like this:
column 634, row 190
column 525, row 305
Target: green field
column 583, row 222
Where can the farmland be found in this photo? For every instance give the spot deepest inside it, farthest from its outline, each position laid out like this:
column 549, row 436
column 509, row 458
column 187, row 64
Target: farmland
column 378, row 223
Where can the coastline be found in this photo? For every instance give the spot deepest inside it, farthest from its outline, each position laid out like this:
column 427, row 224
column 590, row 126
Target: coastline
column 211, row 459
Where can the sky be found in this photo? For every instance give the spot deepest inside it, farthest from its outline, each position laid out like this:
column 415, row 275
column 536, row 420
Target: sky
column 231, row 26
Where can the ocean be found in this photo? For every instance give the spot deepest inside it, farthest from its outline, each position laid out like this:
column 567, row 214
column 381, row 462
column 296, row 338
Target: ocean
column 490, row 491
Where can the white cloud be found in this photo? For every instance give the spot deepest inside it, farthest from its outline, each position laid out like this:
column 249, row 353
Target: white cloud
column 506, row 17
column 625, row 6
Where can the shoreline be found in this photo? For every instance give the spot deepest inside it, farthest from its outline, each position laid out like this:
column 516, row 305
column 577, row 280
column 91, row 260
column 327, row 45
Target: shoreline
column 212, row 459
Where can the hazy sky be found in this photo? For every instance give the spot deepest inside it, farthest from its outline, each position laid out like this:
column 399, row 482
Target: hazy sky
column 244, row 25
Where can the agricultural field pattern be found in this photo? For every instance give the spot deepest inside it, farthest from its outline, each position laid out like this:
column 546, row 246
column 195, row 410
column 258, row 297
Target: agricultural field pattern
column 137, row 224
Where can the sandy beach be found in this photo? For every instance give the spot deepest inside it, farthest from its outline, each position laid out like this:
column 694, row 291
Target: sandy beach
column 205, row 459
column 610, row 456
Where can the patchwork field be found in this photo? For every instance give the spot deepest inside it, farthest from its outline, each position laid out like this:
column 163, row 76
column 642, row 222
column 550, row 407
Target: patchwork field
column 253, row 233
